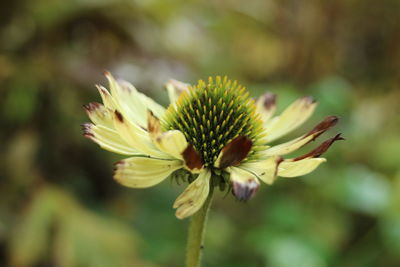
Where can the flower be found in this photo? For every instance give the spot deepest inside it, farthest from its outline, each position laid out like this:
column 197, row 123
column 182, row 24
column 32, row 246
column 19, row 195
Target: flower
column 212, row 134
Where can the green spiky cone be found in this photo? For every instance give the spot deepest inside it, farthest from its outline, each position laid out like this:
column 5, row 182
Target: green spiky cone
column 211, row 114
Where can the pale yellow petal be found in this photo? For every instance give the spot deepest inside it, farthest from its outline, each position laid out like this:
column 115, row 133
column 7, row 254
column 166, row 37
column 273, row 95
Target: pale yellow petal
column 194, row 196
column 266, row 106
column 99, row 114
column 108, row 139
column 128, row 102
column 291, row 118
column 132, row 104
column 108, row 101
column 265, row 170
column 135, row 136
column 149, row 104
column 172, row 142
column 288, row 147
column 299, row 168
column 141, row 172
column 174, row 89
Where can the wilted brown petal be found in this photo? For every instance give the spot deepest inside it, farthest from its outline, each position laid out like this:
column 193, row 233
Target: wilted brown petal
column 323, row 126
column 193, row 159
column 234, row 152
column 320, row 149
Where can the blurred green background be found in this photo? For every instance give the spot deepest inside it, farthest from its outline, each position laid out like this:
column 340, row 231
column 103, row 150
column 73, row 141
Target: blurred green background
column 59, row 205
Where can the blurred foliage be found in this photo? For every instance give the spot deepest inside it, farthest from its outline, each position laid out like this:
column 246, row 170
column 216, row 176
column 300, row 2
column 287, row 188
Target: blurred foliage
column 59, row 205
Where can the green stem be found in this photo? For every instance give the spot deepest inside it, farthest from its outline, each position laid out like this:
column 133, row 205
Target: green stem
column 194, row 247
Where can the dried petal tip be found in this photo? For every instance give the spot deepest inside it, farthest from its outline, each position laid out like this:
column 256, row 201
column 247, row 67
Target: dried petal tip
column 244, row 190
column 324, row 125
column 92, row 106
column 321, row 148
column 87, row 130
column 269, row 100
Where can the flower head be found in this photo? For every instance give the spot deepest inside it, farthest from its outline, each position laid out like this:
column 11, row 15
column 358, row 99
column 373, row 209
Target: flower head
column 212, row 134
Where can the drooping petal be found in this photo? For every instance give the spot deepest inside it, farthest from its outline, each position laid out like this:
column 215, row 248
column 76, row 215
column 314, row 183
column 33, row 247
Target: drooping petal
column 299, row 168
column 234, row 152
column 291, row 118
column 132, row 104
column 171, row 142
column 266, row 106
column 141, row 172
column 174, row 89
column 244, row 183
column 297, row 143
column 194, row 196
column 99, row 114
column 266, row 170
column 108, row 139
column 135, row 136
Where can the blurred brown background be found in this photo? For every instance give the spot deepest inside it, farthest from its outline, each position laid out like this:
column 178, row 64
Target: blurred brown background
column 58, row 203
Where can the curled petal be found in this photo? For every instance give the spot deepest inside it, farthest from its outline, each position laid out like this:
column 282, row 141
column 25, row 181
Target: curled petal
column 234, row 152
column 194, row 196
column 244, row 183
column 108, row 139
column 291, row 118
column 141, row 172
column 297, row 143
column 266, row 106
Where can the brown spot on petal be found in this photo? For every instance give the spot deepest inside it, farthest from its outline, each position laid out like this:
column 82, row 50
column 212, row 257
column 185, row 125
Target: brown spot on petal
column 320, row 149
column 243, row 191
column 119, row 116
column 192, row 158
column 234, row 152
column 153, row 123
column 269, row 100
column 324, row 125
column 279, row 160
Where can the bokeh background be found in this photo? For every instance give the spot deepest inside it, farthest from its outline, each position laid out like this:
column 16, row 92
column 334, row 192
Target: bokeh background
column 58, row 203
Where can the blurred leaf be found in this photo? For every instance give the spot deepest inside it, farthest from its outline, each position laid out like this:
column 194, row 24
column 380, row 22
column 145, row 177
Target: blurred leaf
column 56, row 228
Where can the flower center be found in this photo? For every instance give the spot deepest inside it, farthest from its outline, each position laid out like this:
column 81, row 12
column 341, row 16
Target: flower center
column 211, row 114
